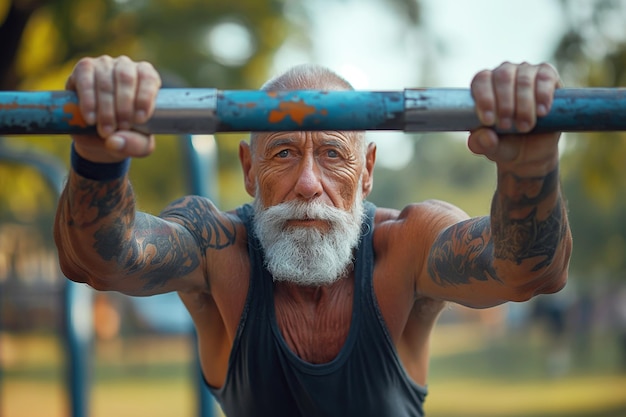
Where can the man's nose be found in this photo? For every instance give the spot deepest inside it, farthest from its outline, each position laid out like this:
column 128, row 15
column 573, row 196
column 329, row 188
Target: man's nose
column 309, row 182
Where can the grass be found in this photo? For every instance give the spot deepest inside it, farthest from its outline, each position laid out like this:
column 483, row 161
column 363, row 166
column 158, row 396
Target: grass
column 471, row 376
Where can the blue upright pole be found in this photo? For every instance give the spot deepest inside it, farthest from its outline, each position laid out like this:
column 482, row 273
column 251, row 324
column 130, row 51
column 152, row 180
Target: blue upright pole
column 201, row 158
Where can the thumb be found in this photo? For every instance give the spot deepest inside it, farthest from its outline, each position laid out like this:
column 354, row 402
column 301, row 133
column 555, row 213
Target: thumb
column 126, row 143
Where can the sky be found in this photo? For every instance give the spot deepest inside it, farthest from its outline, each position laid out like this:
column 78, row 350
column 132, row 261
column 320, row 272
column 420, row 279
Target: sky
column 364, row 42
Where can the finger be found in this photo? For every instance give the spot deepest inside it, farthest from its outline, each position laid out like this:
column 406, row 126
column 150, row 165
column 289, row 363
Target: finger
column 147, row 90
column 547, row 81
column 82, row 81
column 129, row 143
column 503, row 80
column 105, row 90
column 483, row 142
column 525, row 103
column 484, row 98
column 125, row 84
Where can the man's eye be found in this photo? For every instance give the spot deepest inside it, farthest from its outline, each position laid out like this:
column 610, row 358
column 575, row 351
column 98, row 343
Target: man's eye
column 332, row 153
column 283, row 154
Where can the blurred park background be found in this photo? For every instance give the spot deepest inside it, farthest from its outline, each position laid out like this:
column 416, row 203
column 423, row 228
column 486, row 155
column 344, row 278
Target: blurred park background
column 555, row 356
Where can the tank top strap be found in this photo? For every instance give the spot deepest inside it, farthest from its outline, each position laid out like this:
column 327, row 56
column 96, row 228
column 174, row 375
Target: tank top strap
column 364, row 258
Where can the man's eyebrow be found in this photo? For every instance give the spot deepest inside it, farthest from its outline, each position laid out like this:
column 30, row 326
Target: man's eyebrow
column 279, row 142
column 335, row 143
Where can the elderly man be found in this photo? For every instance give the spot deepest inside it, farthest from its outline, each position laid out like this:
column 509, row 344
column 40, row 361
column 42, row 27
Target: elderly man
column 311, row 301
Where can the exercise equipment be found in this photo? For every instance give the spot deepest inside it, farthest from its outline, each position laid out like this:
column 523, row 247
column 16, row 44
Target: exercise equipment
column 200, row 156
column 193, row 111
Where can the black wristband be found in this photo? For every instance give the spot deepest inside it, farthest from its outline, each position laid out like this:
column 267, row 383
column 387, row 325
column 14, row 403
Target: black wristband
column 98, row 171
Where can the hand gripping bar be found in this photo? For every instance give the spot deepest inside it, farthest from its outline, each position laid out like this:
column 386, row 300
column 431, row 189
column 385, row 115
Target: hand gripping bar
column 204, row 111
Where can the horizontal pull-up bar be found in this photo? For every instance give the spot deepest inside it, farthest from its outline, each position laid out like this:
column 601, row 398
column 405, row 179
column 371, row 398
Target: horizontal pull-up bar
column 195, row 111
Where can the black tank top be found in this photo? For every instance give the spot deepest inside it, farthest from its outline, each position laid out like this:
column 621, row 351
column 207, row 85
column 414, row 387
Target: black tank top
column 265, row 378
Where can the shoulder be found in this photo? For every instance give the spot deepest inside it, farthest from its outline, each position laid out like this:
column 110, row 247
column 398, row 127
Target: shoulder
column 429, row 212
column 212, row 228
column 412, row 230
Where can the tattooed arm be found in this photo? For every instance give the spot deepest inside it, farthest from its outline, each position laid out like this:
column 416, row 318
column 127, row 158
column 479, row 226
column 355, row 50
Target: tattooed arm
column 523, row 247
column 104, row 242
column 101, row 238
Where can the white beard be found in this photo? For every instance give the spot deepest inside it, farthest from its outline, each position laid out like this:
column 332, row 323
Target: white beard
column 306, row 255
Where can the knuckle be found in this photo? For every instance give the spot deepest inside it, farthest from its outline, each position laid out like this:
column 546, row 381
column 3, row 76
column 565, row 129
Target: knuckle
column 546, row 72
column 503, row 74
column 84, row 64
column 481, row 77
column 125, row 74
column 148, row 73
column 524, row 80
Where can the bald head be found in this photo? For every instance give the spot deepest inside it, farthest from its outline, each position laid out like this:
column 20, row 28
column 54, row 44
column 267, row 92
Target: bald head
column 307, row 77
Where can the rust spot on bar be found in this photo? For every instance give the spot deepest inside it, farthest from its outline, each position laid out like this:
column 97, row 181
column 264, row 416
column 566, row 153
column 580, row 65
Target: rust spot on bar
column 76, row 118
column 297, row 110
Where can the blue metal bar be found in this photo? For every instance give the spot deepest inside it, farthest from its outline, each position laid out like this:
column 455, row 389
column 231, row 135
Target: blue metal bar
column 190, row 111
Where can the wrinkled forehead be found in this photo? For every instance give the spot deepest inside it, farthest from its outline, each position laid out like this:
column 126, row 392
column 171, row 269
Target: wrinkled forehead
column 354, row 140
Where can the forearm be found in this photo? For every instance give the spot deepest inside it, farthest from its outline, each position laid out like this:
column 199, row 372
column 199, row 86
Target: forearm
column 102, row 240
column 529, row 227
column 93, row 226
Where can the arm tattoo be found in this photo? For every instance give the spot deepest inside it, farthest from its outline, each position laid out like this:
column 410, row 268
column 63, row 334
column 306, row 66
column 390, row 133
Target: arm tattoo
column 96, row 200
column 461, row 253
column 142, row 244
column 528, row 237
column 466, row 250
column 157, row 245
column 202, row 219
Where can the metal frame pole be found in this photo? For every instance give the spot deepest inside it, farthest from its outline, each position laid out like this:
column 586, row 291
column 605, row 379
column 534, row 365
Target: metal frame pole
column 200, row 154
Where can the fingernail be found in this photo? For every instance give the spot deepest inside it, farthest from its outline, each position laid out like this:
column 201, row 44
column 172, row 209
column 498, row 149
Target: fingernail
column 90, row 118
column 489, row 118
column 523, row 126
column 140, row 117
column 485, row 141
column 115, row 143
column 542, row 110
column 106, row 130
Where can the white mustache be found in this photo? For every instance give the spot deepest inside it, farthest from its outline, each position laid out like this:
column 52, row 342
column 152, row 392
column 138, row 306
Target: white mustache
column 297, row 210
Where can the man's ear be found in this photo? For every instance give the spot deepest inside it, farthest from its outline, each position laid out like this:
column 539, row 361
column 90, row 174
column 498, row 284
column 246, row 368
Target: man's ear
column 245, row 157
column 368, row 172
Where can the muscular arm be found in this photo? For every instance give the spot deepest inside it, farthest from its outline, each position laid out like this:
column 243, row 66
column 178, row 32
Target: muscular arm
column 520, row 250
column 103, row 241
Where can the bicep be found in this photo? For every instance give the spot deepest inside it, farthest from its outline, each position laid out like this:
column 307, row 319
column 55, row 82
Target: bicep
column 460, row 266
column 168, row 253
column 458, row 258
